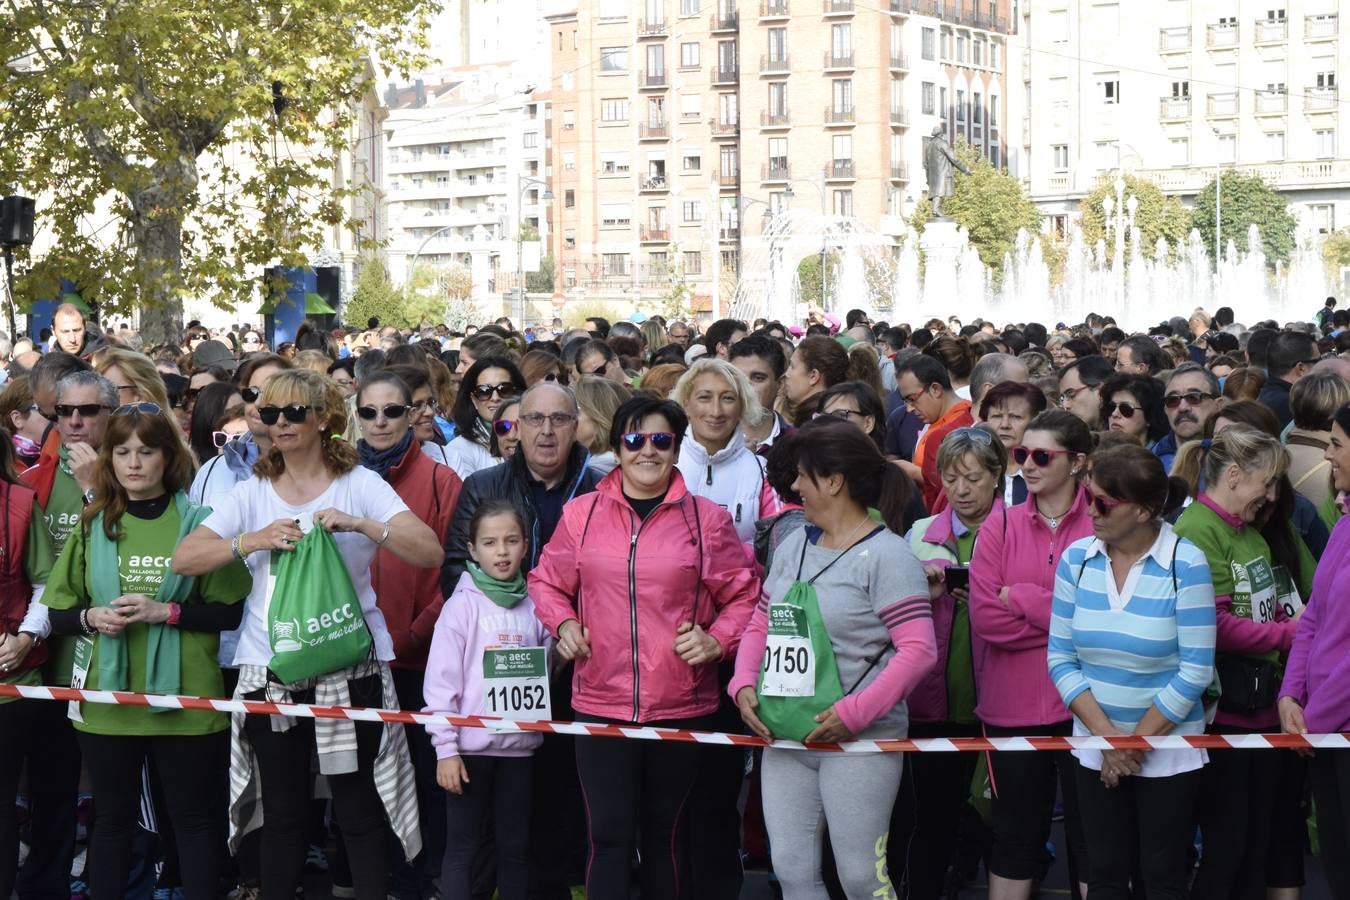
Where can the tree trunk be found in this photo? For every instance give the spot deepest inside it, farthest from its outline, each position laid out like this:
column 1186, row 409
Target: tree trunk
column 156, row 221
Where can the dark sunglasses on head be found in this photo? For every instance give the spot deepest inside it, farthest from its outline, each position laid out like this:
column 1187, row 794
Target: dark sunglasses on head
column 1127, row 410
column 1040, row 456
column 391, row 411
column 1194, row 398
column 250, row 394
column 634, row 441
column 88, row 410
column 294, row 412
column 221, row 438
column 503, row 427
column 1103, row 505
column 128, row 409
column 505, row 390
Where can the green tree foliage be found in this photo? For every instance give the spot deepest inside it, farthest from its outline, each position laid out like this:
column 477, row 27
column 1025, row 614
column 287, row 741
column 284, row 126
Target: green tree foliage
column 991, row 205
column 541, row 282
column 808, row 276
column 375, row 295
column 1336, row 252
column 113, row 106
column 1156, row 215
column 1246, row 200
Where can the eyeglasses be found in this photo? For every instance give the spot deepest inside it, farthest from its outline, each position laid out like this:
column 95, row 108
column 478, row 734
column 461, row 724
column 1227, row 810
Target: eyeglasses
column 250, row 395
column 294, row 412
column 221, row 438
column 1192, row 398
column 1103, row 505
column 1040, row 456
column 552, row 376
column 505, row 390
column 133, row 409
column 88, row 410
column 911, row 399
column 1067, row 395
column 557, row 420
column 634, row 441
column 1127, row 410
column 391, row 411
column 503, row 427
column 599, row 370
column 251, row 340
column 428, row 405
column 844, row 414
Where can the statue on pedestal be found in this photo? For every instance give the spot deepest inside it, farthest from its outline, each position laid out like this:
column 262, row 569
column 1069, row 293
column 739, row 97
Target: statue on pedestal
column 938, row 162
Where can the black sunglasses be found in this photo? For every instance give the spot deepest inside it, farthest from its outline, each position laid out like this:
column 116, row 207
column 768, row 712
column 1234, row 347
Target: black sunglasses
column 391, row 411
column 88, row 410
column 294, row 412
column 1127, row 410
column 506, row 390
column 250, row 394
column 634, row 441
column 1194, row 398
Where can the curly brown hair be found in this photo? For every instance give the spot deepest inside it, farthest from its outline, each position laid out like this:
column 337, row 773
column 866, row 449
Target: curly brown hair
column 311, row 389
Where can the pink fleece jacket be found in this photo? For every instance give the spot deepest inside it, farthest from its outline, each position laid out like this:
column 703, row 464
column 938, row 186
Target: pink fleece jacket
column 1318, row 672
column 469, row 624
column 1020, row 552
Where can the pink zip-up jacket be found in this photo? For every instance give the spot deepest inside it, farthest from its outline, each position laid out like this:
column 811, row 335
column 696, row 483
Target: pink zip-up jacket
column 633, row 583
column 1012, row 680
column 469, row 624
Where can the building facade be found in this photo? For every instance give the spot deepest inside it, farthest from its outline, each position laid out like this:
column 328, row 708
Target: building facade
column 1177, row 91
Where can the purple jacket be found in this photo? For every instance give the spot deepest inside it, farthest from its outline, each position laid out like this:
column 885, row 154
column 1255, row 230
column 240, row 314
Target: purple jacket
column 1318, row 672
column 1011, row 676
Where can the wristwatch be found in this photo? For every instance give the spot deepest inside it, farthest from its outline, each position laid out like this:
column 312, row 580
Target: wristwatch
column 89, row 496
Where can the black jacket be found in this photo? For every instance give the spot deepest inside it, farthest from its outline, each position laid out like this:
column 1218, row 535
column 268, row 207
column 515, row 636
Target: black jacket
column 509, row 481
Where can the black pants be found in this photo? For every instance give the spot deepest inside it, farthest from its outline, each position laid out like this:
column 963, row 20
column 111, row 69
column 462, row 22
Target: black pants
column 1331, row 790
column 1289, row 831
column 632, row 789
column 288, row 787
column 715, row 845
column 196, row 808
column 53, row 791
column 1144, row 826
column 504, row 786
column 416, row 879
column 1237, row 812
column 926, row 820
column 16, row 724
column 1024, row 799
column 558, row 850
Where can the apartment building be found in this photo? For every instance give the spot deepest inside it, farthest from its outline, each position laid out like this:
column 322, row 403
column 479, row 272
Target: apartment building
column 681, row 128
column 464, row 171
column 1176, row 91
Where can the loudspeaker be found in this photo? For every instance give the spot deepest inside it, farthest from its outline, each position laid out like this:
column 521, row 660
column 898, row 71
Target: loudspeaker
column 16, row 221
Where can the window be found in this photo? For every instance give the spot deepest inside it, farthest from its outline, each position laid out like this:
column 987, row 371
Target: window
column 614, row 162
column 657, row 263
column 1325, row 80
column 1108, row 155
column 977, row 51
column 613, row 59
column 841, row 40
column 843, row 95
column 656, row 111
column 569, row 199
column 442, row 180
column 960, row 48
column 942, row 103
column 993, row 111
column 656, row 218
column 690, row 106
column 614, row 109
column 1181, row 151
column 689, row 7
column 689, row 55
column 729, row 161
column 531, row 140
column 928, row 38
column 929, row 101
column 693, row 262
column 843, row 203
column 977, row 108
column 1275, row 145
column 614, row 265
column 1060, row 153
column 691, row 161
column 417, row 154
column 1110, row 88
column 1057, row 26
column 1059, row 93
column 569, row 160
column 960, row 105
column 778, row 158
column 1227, row 148
column 726, row 56
column 569, row 119
column 1322, row 217
column 778, row 44
column 1274, row 15
column 656, row 60
column 778, row 99
column 842, row 144
column 615, row 215
column 1324, row 143
column 727, row 110
column 692, row 210
column 993, row 155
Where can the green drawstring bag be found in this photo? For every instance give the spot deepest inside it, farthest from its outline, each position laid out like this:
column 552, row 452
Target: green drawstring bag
column 314, row 619
column 798, row 678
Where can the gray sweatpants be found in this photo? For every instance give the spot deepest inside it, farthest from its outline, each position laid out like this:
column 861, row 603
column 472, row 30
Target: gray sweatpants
column 851, row 792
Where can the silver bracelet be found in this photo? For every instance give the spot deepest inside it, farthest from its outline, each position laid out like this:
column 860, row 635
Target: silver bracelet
column 384, row 536
column 237, row 547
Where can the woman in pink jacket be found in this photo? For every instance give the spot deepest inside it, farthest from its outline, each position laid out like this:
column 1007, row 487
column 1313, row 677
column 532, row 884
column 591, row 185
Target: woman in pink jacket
column 647, row 587
column 1012, row 577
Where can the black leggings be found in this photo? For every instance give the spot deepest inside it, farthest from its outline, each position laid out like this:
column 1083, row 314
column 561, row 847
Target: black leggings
column 195, row 805
column 503, row 787
column 926, row 821
column 1331, row 790
column 53, row 791
column 16, row 723
column 634, row 788
column 288, row 788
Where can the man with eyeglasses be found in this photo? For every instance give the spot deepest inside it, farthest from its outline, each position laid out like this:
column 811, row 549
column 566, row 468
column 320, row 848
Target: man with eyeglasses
column 1192, row 396
column 926, row 389
column 1291, row 355
column 1080, row 386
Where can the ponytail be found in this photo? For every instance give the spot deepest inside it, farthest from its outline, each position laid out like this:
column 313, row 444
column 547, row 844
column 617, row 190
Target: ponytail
column 896, row 497
column 1178, row 489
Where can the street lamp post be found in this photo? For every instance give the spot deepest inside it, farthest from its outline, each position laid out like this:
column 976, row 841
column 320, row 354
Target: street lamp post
column 412, row 265
column 821, row 188
column 769, row 215
column 518, row 308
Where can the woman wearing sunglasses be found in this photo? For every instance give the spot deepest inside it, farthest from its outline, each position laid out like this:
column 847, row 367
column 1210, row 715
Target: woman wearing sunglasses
column 487, row 383
column 1132, row 652
column 1011, row 580
column 647, row 587
column 506, row 430
column 143, row 627
column 1244, row 830
column 211, row 404
column 1133, row 405
column 310, row 478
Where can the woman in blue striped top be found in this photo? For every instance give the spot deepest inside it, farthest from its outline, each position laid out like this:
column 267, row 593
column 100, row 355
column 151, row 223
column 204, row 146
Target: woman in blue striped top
column 1131, row 651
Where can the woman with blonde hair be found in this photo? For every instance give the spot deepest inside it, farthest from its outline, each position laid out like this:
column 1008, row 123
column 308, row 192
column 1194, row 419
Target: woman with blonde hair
column 540, row 365
column 598, row 398
column 134, row 376
column 314, row 360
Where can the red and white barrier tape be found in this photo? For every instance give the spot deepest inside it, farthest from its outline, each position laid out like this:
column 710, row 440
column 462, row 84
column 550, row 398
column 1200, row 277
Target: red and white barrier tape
column 716, row 738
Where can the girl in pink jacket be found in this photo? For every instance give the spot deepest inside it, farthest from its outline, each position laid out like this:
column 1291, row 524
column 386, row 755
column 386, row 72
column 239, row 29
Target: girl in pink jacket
column 488, row 656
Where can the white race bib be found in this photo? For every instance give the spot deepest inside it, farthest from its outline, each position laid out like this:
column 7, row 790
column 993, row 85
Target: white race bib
column 515, row 684
column 79, row 673
column 789, row 667
column 1287, row 596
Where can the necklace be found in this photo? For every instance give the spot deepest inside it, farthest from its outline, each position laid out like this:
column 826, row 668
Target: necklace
column 1053, row 521
column 846, row 541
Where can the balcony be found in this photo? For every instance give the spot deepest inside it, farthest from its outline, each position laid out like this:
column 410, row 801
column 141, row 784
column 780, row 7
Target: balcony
column 1272, row 31
column 899, row 62
column 654, row 235
column 1174, row 40
column 839, row 116
column 654, row 184
column 724, row 20
column 1173, row 109
column 653, row 81
column 1220, row 37
column 900, row 7
column 729, row 233
column 835, row 61
column 899, row 172
column 775, row 172
column 1320, row 100
column 656, row 28
column 648, row 131
column 1272, row 103
column 899, row 117
column 1320, row 28
column 1284, row 176
column 775, row 119
column 770, row 66
column 722, row 76
column 728, row 179
column 838, row 7
column 724, row 130
column 1222, row 106
column 774, row 9
column 840, row 170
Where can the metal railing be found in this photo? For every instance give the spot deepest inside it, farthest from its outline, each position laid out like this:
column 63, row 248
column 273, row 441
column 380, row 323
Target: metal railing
column 838, row 60
column 648, row 131
column 1272, row 31
column 1174, row 108
column 1320, row 28
column 839, row 116
column 1225, row 35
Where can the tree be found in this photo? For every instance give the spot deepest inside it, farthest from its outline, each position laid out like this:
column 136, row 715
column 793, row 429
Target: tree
column 991, row 205
column 111, row 109
column 541, row 282
column 375, row 295
column 1156, row 215
column 1246, row 200
column 808, row 277
column 1336, row 253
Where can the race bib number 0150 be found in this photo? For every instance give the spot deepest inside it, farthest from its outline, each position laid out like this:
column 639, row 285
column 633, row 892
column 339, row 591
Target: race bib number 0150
column 515, row 684
column 789, row 668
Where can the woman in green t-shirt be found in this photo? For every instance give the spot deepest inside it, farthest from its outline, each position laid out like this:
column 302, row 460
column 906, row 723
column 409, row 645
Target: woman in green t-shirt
column 145, row 629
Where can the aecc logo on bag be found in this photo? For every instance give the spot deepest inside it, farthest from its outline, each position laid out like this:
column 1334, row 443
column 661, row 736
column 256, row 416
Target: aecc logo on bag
column 286, row 634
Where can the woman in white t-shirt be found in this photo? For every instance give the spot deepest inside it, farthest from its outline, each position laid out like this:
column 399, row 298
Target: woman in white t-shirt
column 310, row 477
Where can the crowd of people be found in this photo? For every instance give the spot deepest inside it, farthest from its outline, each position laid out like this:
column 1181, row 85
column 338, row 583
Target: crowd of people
column 818, row 532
